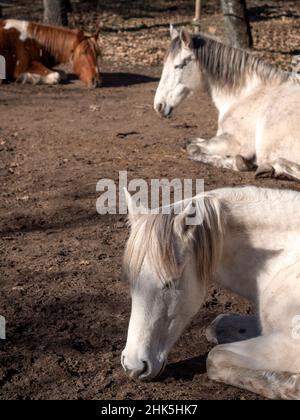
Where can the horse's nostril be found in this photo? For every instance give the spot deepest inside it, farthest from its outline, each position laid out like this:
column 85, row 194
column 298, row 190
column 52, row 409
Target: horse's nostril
column 145, row 368
column 98, row 81
column 159, row 107
column 123, row 362
column 95, row 82
column 168, row 111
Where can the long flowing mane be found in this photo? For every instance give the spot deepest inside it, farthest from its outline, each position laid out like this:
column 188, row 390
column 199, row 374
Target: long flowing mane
column 229, row 67
column 154, row 236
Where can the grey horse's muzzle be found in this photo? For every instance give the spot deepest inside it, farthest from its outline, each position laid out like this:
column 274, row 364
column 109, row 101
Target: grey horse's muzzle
column 164, row 110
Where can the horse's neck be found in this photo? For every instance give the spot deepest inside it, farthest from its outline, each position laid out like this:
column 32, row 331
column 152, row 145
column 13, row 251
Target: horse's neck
column 57, row 42
column 226, row 98
column 262, row 230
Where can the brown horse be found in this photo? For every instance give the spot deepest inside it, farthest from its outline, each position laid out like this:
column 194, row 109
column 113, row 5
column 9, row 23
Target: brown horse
column 31, row 50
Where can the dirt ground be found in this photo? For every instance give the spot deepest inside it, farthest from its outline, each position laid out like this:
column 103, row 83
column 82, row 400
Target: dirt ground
column 62, row 293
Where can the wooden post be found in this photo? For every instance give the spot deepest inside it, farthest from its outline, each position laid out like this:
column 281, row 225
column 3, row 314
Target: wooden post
column 197, row 18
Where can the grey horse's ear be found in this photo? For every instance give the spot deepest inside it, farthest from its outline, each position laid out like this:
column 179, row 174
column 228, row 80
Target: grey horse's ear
column 173, row 32
column 134, row 212
column 182, row 226
column 185, row 38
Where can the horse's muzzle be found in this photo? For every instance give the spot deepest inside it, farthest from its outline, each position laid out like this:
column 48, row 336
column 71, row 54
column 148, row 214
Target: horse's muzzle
column 168, row 111
column 96, row 82
column 142, row 370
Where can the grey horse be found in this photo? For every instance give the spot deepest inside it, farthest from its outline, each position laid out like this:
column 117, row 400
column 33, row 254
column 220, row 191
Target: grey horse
column 258, row 104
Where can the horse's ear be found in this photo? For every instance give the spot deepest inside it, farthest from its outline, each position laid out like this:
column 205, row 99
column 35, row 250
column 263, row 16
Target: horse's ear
column 185, row 38
column 88, row 35
column 173, row 32
column 97, row 34
column 184, row 223
column 134, row 212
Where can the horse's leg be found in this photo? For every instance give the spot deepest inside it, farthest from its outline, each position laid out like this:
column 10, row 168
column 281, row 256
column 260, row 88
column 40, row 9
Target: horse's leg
column 37, row 73
column 236, row 163
column 29, row 78
column 267, row 365
column 48, row 77
column 223, row 145
column 279, row 168
column 222, row 151
column 23, row 72
column 232, row 328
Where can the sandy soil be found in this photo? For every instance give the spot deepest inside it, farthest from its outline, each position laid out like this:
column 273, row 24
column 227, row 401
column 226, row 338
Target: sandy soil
column 62, row 293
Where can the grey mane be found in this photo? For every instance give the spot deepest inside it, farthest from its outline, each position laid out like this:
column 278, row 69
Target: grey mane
column 228, row 67
column 154, row 236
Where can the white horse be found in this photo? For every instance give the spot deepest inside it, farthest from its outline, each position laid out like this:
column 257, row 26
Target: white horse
column 248, row 241
column 258, row 104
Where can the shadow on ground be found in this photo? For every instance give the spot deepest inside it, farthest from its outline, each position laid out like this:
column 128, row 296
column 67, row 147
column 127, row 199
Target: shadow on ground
column 185, row 369
column 126, row 79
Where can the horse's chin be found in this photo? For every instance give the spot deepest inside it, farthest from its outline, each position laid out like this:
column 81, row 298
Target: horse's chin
column 94, row 84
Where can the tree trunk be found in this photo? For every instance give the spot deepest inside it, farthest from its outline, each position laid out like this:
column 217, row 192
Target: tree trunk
column 237, row 25
column 56, row 12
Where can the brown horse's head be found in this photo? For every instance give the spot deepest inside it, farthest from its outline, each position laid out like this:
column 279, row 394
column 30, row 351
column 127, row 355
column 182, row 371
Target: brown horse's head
column 86, row 60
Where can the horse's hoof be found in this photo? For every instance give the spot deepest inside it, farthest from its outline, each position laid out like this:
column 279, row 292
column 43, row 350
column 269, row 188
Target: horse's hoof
column 243, row 165
column 211, row 331
column 265, row 171
column 22, row 79
column 195, row 140
column 188, row 143
column 193, row 150
column 193, row 147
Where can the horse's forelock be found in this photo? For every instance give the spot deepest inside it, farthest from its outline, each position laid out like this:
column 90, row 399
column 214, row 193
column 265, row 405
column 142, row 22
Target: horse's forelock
column 174, row 48
column 176, row 45
column 153, row 236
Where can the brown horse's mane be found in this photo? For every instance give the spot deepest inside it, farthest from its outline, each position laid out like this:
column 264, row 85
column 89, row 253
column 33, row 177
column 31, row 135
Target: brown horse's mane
column 60, row 43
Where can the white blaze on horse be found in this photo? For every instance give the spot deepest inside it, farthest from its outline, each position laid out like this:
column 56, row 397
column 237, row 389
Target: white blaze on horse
column 31, row 50
column 258, row 104
column 247, row 241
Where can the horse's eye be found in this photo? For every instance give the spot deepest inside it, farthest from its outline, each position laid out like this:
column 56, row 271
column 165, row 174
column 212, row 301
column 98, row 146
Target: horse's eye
column 172, row 286
column 179, row 66
column 185, row 62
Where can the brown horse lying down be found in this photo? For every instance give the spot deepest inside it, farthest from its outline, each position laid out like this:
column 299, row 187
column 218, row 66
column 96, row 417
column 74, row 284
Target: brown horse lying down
column 31, row 50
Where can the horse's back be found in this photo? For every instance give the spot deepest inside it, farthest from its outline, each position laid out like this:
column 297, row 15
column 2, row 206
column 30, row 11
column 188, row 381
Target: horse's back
column 278, row 124
column 265, row 123
column 284, row 97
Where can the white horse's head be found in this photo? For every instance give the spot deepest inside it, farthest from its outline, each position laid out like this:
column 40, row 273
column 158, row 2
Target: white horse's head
column 180, row 76
column 168, row 264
